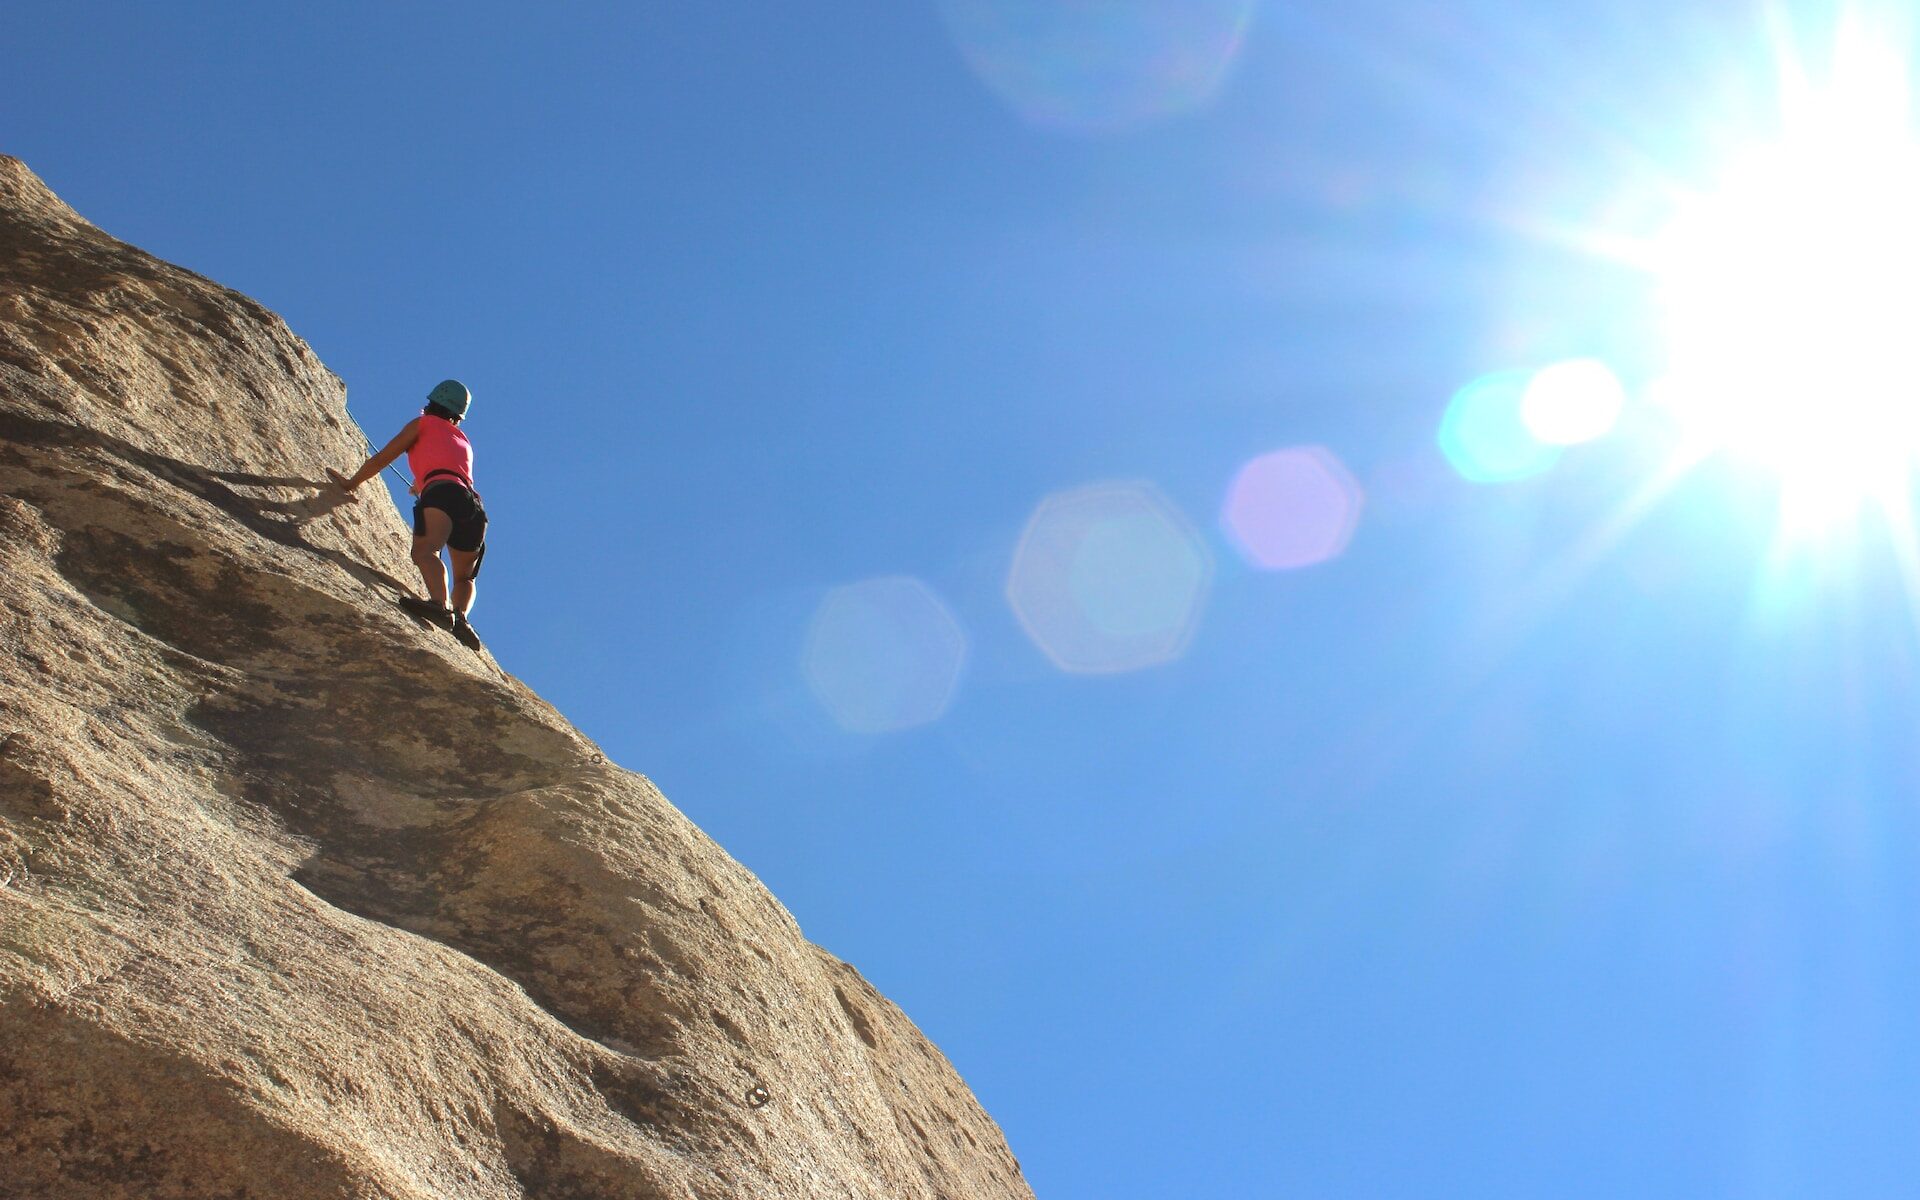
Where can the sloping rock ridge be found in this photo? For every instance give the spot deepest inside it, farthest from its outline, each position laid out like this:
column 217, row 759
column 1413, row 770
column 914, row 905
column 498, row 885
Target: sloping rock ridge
column 263, row 931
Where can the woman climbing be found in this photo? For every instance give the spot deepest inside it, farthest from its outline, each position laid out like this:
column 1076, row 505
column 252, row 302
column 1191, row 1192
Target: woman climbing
column 446, row 511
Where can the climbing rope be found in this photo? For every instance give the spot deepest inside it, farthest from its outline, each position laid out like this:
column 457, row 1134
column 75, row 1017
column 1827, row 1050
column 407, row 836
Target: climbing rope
column 373, row 450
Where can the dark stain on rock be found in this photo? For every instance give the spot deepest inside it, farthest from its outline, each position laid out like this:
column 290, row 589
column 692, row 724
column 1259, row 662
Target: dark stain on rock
column 551, row 1161
column 861, row 1025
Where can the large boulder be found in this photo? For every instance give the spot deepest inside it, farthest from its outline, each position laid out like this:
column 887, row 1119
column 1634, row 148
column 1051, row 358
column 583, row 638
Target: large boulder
column 301, row 898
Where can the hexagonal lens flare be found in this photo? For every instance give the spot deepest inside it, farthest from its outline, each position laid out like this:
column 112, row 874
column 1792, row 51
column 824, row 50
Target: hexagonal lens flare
column 1085, row 67
column 1292, row 508
column 1109, row 578
column 1485, row 436
column 1572, row 402
column 883, row 654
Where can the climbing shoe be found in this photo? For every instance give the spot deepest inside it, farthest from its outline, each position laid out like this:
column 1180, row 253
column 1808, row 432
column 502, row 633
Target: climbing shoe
column 463, row 629
column 428, row 611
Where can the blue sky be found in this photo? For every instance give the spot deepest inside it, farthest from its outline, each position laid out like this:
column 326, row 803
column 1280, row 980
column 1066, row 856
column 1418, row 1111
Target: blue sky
column 1537, row 842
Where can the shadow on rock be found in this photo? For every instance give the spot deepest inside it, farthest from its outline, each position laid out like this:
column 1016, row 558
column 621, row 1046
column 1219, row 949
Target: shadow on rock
column 279, row 521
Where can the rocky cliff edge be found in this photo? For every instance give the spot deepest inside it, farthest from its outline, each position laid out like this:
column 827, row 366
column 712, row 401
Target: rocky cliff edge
column 301, row 899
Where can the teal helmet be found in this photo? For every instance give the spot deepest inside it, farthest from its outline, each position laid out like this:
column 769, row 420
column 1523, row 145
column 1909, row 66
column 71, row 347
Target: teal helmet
column 451, row 396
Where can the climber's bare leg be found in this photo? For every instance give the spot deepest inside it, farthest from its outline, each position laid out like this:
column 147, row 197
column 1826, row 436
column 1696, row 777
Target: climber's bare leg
column 426, row 553
column 463, row 585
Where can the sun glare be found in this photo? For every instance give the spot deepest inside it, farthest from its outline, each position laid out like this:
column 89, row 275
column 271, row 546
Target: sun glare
column 1792, row 295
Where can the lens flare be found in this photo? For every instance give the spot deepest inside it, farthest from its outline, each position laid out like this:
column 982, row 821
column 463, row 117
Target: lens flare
column 883, row 655
column 1572, row 402
column 1484, row 433
column 1109, row 578
column 1292, row 508
column 1087, row 67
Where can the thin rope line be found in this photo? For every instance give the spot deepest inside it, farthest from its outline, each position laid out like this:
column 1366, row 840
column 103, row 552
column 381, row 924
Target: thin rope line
column 373, row 452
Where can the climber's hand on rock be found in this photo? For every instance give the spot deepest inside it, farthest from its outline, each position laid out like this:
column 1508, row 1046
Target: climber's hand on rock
column 340, row 482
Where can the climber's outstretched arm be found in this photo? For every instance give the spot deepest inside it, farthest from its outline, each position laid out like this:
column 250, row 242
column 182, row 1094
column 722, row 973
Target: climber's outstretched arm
column 401, row 443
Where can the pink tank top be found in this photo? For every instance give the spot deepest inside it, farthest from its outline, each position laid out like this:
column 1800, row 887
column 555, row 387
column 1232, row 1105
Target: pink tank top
column 441, row 447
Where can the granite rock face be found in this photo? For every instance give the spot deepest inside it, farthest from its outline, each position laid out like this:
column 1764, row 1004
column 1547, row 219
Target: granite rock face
column 261, row 935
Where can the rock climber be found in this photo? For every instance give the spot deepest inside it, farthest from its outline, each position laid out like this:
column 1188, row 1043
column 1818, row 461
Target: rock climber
column 447, row 513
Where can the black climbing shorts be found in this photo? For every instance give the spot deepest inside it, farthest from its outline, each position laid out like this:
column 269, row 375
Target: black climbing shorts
column 459, row 502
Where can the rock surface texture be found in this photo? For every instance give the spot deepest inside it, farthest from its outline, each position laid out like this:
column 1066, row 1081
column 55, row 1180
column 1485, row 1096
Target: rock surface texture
column 262, row 933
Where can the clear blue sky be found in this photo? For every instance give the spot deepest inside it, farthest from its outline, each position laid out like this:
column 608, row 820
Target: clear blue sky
column 1517, row 851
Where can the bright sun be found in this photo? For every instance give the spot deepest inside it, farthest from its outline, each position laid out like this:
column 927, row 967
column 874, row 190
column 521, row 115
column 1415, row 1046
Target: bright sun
column 1792, row 295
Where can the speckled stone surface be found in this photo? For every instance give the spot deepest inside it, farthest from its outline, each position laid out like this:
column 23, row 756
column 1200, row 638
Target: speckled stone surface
column 261, row 935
